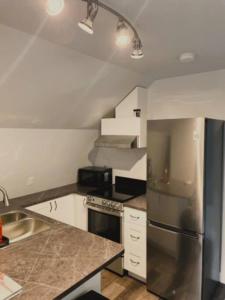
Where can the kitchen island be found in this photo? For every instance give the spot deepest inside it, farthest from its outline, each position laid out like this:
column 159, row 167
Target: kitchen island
column 59, row 263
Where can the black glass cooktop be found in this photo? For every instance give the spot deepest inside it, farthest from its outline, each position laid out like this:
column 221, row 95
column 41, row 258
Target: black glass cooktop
column 112, row 193
column 123, row 190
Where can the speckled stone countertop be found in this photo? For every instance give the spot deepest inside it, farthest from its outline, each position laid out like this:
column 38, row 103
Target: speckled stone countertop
column 28, row 200
column 43, row 196
column 60, row 259
column 139, row 203
column 56, row 261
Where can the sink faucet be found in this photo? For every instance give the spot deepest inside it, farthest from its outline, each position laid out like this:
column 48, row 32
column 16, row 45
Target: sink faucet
column 5, row 196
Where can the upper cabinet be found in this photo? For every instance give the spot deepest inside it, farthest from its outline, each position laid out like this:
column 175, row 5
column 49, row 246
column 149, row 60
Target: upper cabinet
column 130, row 117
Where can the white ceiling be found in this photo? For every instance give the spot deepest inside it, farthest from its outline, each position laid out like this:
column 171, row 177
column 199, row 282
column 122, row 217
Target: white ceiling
column 167, row 29
column 95, row 75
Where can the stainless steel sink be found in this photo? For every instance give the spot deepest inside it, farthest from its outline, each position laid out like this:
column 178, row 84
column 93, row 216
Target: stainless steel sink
column 13, row 216
column 19, row 225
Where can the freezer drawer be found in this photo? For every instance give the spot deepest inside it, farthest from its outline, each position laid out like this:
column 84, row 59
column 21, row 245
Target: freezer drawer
column 174, row 264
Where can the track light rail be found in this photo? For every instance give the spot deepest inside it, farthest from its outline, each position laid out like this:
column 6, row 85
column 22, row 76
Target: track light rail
column 112, row 11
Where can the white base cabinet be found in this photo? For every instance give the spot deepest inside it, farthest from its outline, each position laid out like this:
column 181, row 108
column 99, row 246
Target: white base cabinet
column 70, row 209
column 81, row 212
column 135, row 243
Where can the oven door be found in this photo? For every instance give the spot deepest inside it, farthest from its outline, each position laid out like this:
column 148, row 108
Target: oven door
column 110, row 226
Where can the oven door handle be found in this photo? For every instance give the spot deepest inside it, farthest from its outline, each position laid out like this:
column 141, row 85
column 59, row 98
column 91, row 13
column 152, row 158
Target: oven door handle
column 105, row 211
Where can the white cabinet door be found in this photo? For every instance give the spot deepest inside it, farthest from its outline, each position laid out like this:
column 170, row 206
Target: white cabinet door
column 70, row 209
column 64, row 210
column 81, row 212
column 125, row 126
column 61, row 209
column 45, row 208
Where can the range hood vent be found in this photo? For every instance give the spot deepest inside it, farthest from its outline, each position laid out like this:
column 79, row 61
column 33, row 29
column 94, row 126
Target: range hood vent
column 117, row 141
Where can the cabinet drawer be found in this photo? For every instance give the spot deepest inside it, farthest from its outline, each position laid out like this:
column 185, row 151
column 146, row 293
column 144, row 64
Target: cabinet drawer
column 135, row 264
column 135, row 237
column 134, row 216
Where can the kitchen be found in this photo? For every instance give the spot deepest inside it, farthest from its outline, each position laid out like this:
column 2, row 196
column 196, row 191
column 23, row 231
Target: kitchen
column 66, row 106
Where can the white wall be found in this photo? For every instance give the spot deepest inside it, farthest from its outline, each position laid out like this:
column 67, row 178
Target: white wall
column 32, row 160
column 197, row 95
column 200, row 95
column 138, row 171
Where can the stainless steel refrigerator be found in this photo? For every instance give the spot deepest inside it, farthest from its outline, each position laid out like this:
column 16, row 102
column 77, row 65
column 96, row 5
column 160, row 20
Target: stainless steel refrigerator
column 184, row 192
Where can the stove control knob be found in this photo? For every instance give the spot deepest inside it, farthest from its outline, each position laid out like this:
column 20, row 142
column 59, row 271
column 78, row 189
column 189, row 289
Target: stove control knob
column 105, row 202
column 118, row 206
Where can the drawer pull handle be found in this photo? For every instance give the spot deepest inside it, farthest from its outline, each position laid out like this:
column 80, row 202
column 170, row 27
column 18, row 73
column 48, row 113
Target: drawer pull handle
column 134, row 217
column 134, row 238
column 135, row 263
column 50, row 207
column 56, row 206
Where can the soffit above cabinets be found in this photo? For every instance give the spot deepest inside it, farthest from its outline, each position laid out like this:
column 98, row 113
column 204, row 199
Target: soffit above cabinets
column 128, row 128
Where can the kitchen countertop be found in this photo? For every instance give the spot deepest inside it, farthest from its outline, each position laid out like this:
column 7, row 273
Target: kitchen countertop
column 59, row 260
column 32, row 199
column 28, row 200
column 56, row 261
column 139, row 203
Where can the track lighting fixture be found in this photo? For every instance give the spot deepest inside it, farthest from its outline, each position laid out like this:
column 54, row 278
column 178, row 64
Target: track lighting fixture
column 55, row 7
column 92, row 10
column 123, row 35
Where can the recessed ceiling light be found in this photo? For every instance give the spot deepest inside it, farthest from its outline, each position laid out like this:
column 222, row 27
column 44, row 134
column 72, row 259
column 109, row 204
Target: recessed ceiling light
column 187, row 57
column 55, row 7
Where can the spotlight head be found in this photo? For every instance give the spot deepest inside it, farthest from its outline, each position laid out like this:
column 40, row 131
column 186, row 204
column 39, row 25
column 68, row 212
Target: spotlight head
column 123, row 36
column 87, row 23
column 137, row 52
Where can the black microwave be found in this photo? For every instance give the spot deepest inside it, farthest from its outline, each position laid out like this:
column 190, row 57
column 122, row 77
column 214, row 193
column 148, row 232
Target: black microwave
column 95, row 176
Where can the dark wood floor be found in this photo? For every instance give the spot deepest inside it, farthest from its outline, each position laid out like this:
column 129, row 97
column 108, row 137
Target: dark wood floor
column 126, row 288
column 120, row 288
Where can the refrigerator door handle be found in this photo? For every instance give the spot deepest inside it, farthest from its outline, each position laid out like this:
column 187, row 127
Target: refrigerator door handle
column 175, row 230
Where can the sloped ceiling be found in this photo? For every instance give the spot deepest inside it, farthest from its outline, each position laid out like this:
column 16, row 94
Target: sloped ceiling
column 53, row 75
column 44, row 85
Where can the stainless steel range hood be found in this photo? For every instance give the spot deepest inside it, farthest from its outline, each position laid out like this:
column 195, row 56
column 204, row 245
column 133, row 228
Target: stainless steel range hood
column 117, row 141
